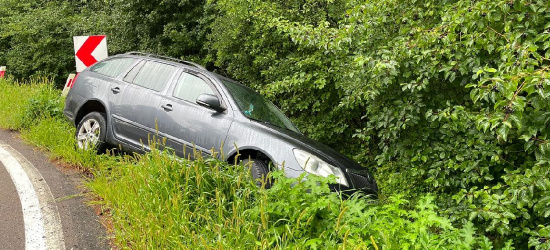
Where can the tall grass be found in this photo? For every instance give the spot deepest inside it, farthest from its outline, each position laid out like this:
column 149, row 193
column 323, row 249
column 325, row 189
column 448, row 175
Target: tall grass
column 35, row 108
column 56, row 135
column 15, row 101
column 160, row 201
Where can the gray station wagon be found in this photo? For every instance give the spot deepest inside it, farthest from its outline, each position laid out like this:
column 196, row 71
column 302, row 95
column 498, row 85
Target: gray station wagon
column 124, row 100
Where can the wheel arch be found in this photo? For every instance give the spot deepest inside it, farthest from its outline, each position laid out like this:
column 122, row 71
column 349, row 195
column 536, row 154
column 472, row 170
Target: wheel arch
column 240, row 154
column 93, row 105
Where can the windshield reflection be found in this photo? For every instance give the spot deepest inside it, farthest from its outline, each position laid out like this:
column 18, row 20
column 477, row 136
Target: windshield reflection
column 256, row 107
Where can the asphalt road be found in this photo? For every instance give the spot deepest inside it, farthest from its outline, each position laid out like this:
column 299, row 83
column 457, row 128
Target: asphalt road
column 43, row 206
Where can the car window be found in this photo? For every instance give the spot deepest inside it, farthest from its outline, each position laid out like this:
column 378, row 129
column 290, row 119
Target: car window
column 190, row 87
column 256, row 107
column 154, row 75
column 113, row 67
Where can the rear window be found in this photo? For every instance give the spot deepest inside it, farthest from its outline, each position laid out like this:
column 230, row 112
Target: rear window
column 113, row 67
column 154, row 75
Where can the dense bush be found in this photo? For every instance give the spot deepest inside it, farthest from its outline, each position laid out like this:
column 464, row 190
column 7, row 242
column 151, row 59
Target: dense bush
column 35, row 38
column 440, row 96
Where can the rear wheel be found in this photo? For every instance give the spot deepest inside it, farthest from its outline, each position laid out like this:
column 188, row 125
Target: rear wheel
column 91, row 132
column 259, row 172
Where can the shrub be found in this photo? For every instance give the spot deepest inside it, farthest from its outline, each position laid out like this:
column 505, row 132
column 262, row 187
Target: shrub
column 449, row 97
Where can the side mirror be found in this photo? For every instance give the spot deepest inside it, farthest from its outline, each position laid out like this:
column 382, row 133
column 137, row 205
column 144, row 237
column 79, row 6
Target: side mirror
column 210, row 101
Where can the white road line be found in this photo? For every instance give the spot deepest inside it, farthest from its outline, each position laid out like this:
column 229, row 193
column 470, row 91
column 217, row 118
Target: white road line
column 42, row 223
column 32, row 216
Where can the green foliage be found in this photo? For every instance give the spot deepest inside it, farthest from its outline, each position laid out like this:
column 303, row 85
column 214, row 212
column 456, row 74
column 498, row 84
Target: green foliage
column 305, row 213
column 157, row 200
column 443, row 97
column 37, row 38
column 156, row 26
column 440, row 96
column 23, row 104
column 47, row 103
column 160, row 201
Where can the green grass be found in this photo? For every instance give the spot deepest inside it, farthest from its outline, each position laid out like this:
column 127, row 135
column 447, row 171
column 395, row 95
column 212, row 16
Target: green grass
column 56, row 135
column 14, row 100
column 159, row 201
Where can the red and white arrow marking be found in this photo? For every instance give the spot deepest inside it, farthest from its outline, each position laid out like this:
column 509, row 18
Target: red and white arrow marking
column 89, row 50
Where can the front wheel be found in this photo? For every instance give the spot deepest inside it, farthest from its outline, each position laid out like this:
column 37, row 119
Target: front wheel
column 91, row 132
column 259, row 172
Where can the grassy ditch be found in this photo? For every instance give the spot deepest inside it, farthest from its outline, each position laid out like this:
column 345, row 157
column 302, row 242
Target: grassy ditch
column 157, row 200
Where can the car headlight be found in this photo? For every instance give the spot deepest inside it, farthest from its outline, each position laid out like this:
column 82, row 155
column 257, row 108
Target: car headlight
column 313, row 165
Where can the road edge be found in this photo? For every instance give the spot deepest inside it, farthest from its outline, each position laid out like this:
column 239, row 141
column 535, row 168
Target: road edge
column 43, row 228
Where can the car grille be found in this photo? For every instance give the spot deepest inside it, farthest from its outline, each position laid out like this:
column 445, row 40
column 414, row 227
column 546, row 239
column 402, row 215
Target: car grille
column 360, row 179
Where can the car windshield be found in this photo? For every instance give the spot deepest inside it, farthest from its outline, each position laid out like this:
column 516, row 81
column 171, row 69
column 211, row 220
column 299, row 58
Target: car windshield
column 256, row 107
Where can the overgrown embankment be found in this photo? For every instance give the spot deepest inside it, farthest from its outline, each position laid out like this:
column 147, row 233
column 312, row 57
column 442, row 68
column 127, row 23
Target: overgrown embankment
column 157, row 200
column 449, row 97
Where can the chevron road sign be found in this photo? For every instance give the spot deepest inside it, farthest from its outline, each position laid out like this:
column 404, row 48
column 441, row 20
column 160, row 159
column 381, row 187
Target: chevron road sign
column 88, row 50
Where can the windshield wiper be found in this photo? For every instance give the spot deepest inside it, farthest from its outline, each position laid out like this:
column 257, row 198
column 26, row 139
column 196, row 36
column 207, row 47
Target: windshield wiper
column 270, row 123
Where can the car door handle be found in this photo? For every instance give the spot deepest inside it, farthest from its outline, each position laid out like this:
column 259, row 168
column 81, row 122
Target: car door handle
column 167, row 107
column 115, row 90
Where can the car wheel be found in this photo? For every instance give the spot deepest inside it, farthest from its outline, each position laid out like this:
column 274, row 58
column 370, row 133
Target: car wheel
column 91, row 131
column 259, row 172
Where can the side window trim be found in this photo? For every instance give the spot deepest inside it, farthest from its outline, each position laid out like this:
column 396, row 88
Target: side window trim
column 129, row 77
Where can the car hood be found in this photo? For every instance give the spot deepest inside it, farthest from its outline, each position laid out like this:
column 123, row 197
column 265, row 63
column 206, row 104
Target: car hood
column 300, row 141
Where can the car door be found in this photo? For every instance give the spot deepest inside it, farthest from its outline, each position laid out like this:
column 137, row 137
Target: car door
column 135, row 110
column 188, row 125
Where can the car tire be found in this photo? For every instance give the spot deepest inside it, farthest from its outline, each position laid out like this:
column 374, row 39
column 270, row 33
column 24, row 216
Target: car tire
column 91, row 131
column 259, row 172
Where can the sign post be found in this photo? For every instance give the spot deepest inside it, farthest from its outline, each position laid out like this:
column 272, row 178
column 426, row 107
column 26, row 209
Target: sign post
column 68, row 85
column 88, row 50
column 2, row 71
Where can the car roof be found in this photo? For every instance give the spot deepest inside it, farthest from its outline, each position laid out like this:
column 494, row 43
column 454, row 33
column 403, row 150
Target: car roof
column 165, row 58
column 197, row 66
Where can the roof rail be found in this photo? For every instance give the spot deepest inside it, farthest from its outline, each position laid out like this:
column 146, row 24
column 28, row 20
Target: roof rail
column 137, row 53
